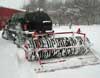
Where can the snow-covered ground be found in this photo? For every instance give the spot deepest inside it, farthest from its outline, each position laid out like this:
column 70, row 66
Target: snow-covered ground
column 10, row 67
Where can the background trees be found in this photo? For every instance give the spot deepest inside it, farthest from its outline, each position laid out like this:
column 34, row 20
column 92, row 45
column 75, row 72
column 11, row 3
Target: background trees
column 66, row 11
column 88, row 9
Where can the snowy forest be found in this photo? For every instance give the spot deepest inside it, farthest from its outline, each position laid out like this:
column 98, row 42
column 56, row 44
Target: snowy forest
column 64, row 12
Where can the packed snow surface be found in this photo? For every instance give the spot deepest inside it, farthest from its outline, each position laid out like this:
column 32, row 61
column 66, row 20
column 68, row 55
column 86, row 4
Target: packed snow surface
column 12, row 67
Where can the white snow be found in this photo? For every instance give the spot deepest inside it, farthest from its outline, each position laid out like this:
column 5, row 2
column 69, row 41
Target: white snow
column 10, row 67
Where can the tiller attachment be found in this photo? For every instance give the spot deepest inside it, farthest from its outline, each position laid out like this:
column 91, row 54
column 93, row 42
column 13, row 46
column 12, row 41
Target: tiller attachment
column 56, row 51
